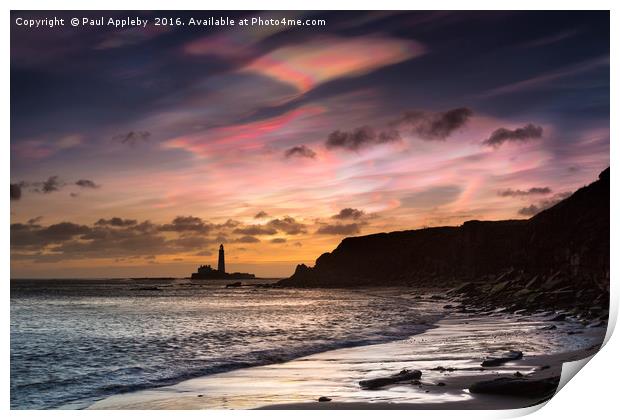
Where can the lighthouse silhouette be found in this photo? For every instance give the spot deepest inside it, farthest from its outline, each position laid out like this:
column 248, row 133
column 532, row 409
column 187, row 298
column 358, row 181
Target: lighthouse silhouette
column 221, row 265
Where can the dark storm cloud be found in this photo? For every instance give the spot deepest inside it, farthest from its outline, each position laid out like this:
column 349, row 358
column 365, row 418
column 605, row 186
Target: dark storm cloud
column 434, row 125
column 86, row 183
column 16, row 191
column 339, row 229
column 360, row 138
column 521, row 193
column 186, row 224
column 349, row 213
column 534, row 209
column 133, row 138
column 288, row 225
column 518, row 135
column 256, row 230
column 116, row 221
column 261, row 215
column 300, row 151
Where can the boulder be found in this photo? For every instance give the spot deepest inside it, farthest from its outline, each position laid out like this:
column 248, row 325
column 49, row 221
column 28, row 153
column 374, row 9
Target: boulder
column 506, row 357
column 403, row 375
column 518, row 387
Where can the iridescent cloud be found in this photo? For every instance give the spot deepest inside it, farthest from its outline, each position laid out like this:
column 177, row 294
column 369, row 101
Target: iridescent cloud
column 310, row 64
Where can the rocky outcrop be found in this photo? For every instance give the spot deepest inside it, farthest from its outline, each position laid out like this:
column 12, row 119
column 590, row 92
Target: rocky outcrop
column 565, row 245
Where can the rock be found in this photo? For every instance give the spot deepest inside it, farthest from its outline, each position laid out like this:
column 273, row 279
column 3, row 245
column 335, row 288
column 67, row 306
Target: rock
column 548, row 328
column 545, row 367
column 506, row 357
column 235, row 284
column 517, row 387
column 441, row 384
column 596, row 325
column 518, row 374
column 200, row 395
column 324, row 399
column 403, row 375
column 560, row 317
column 447, row 306
column 443, row 369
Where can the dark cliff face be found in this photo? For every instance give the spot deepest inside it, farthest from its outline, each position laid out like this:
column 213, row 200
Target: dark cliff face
column 571, row 237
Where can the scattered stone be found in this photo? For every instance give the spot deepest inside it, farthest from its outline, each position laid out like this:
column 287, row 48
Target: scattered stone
column 416, row 382
column 506, row 357
column 560, row 317
column 324, row 399
column 441, row 384
column 447, row 306
column 518, row 374
column 517, row 387
column 200, row 395
column 403, row 375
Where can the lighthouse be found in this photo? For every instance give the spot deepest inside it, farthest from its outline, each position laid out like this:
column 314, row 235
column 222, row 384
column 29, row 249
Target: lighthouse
column 221, row 265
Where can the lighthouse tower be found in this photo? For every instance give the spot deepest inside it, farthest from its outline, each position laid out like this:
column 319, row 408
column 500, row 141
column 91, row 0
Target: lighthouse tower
column 221, row 266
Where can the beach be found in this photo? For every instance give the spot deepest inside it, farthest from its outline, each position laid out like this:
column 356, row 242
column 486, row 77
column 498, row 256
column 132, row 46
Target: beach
column 449, row 357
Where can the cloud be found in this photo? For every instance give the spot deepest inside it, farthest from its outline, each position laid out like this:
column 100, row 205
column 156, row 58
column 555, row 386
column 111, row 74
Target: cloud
column 50, row 185
column 300, row 151
column 349, row 213
column 339, row 229
column 248, row 239
column 256, row 230
column 434, row 125
column 360, row 137
column 432, row 197
column 116, row 221
column 16, row 191
column 288, row 225
column 278, row 240
column 133, row 138
column 546, row 79
column 86, row 183
column 322, row 59
column 534, row 209
column 205, row 253
column 186, row 224
column 521, row 193
column 109, row 238
column 261, row 215
column 518, row 135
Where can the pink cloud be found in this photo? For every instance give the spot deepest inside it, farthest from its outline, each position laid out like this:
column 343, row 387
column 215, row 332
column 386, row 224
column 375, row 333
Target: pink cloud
column 308, row 65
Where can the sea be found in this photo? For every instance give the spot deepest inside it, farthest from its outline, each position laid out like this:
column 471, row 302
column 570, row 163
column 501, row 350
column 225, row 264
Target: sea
column 74, row 342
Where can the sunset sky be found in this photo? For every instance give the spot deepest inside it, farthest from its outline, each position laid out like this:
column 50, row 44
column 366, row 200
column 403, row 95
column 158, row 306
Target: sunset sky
column 136, row 152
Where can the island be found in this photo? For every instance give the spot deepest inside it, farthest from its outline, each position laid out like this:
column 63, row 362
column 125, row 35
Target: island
column 206, row 272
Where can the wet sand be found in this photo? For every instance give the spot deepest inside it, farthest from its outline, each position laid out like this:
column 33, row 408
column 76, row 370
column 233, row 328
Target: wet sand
column 460, row 342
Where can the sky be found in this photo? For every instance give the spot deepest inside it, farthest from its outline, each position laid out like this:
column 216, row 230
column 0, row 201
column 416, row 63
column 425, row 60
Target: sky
column 136, row 151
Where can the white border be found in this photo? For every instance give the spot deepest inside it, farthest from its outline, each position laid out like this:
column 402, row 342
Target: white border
column 592, row 395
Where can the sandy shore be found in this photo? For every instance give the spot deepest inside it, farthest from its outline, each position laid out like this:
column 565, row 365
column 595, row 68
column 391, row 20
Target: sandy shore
column 460, row 342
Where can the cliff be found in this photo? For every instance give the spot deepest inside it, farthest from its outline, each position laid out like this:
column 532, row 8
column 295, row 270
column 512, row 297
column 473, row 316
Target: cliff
column 571, row 237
